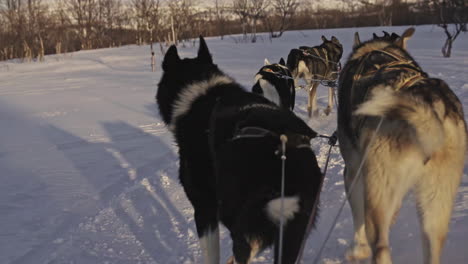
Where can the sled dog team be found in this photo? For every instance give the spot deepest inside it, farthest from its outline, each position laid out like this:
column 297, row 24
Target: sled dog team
column 398, row 130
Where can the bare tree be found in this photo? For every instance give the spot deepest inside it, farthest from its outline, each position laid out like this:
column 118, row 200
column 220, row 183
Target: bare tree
column 241, row 9
column 59, row 34
column 38, row 20
column 3, row 32
column 384, row 9
column 256, row 12
column 111, row 12
column 29, row 29
column 452, row 16
column 283, row 13
column 85, row 13
column 146, row 14
column 182, row 16
column 249, row 11
column 220, row 19
column 14, row 14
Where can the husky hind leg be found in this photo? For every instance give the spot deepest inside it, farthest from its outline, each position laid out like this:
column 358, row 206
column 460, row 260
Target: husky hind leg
column 244, row 250
column 312, row 102
column 208, row 232
column 331, row 92
column 205, row 208
column 241, row 250
column 435, row 196
column 385, row 187
column 247, row 242
column 378, row 222
column 360, row 249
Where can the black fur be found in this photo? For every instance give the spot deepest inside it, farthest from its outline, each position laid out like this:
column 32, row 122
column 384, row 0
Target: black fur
column 228, row 174
column 387, row 37
column 278, row 75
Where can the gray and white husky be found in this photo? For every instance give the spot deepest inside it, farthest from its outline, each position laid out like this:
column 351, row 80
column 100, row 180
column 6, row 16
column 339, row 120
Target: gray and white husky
column 399, row 130
column 316, row 64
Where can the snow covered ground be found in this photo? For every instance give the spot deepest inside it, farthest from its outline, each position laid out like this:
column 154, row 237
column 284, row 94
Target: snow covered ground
column 89, row 171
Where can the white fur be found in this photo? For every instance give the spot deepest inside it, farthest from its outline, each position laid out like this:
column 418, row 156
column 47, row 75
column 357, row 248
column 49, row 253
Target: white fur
column 425, row 121
column 269, row 91
column 290, row 207
column 369, row 47
column 282, row 66
column 383, row 98
column 392, row 168
column 302, row 67
column 209, row 243
column 257, row 77
column 190, row 93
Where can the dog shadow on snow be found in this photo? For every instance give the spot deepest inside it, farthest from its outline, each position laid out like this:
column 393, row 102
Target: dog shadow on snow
column 133, row 173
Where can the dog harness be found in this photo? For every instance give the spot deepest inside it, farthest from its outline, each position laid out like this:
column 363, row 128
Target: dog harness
column 295, row 140
column 278, row 74
column 318, row 56
column 415, row 73
column 328, row 82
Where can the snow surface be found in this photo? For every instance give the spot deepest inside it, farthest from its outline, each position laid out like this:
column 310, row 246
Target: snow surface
column 89, row 171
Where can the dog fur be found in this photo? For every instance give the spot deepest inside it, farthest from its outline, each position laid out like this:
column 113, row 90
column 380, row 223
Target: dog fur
column 408, row 132
column 230, row 166
column 275, row 82
column 316, row 63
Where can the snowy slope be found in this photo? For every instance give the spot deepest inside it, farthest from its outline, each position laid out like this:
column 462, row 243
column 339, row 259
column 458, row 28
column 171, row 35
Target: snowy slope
column 89, row 171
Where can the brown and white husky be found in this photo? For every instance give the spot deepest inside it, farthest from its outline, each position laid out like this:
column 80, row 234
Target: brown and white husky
column 399, row 130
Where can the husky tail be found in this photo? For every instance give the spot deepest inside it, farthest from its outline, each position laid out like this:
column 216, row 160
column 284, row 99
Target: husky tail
column 423, row 116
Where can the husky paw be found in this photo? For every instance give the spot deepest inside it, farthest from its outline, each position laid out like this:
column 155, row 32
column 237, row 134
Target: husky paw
column 231, row 260
column 382, row 256
column 315, row 113
column 358, row 252
column 312, row 113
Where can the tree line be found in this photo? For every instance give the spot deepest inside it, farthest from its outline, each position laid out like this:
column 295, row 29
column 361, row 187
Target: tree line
column 33, row 28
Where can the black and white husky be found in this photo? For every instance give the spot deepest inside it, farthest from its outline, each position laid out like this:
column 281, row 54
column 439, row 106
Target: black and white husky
column 230, row 159
column 399, row 130
column 275, row 82
column 316, row 64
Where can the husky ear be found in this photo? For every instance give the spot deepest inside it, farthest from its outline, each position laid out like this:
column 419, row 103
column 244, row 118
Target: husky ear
column 394, row 37
column 357, row 40
column 171, row 58
column 335, row 40
column 401, row 42
column 203, row 52
column 374, row 36
column 324, row 38
column 385, row 33
column 266, row 62
column 281, row 62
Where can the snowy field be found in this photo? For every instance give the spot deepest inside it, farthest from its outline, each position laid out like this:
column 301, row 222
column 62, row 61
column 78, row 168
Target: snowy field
column 89, row 171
